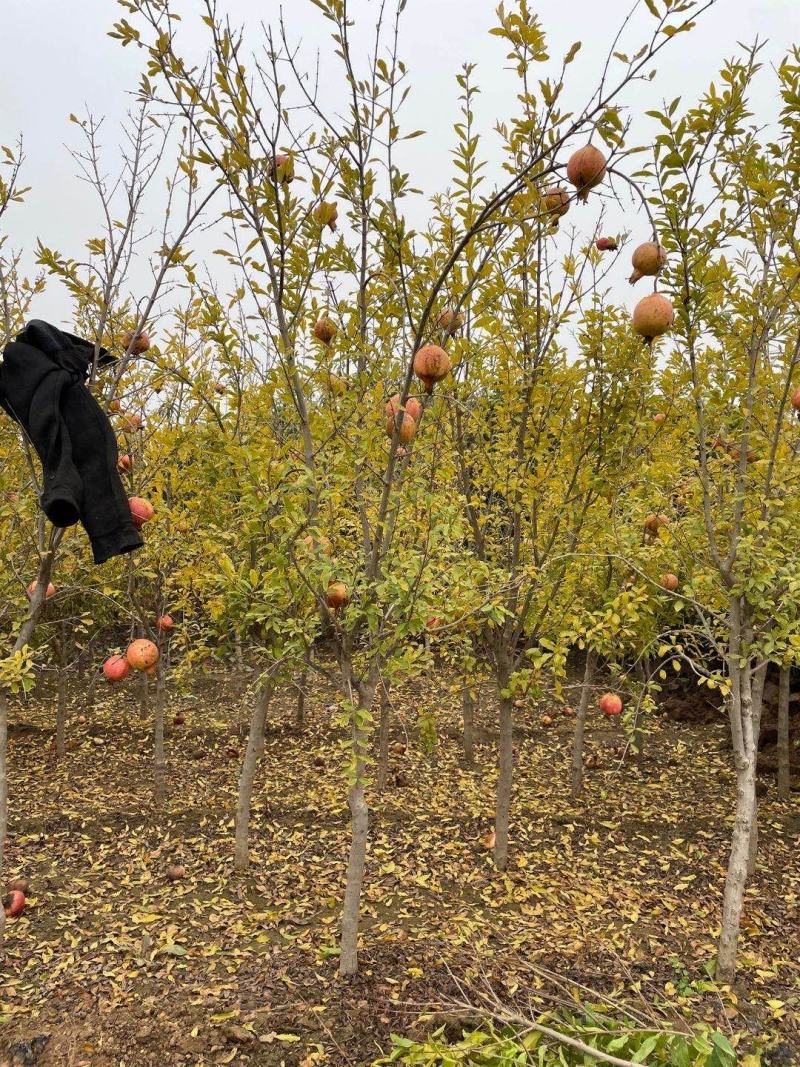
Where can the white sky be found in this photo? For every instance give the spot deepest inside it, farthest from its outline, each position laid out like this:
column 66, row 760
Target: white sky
column 57, row 59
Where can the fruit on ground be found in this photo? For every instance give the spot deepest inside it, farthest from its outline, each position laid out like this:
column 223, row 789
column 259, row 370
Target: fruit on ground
column 488, row 839
column 547, row 720
column 14, row 904
column 653, row 523
column 175, row 872
column 398, row 748
column 555, row 202
column 413, row 407
column 407, row 428
column 124, row 463
column 647, row 260
column 659, row 418
column 567, row 710
column 136, row 343
column 116, row 668
column 450, row 320
column 142, row 511
column 586, row 169
column 669, row 581
column 142, row 654
column 431, row 364
column 337, row 595
column 19, row 885
column 132, row 423
column 653, row 316
column 610, row 704
column 796, row 400
column 606, row 244
column 281, row 168
column 50, row 591
column 165, row 623
column 179, row 719
column 325, row 330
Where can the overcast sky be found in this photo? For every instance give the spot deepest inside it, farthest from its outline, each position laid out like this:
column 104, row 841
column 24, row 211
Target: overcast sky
column 57, row 59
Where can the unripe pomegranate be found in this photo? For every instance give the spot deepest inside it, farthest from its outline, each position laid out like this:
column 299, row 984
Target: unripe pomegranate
column 653, row 316
column 555, row 202
column 142, row 654
column 586, row 169
column 136, row 343
column 450, row 320
column 165, row 623
column 647, row 259
column 407, row 428
column 19, row 885
column 413, row 407
column 610, row 704
column 14, row 904
column 50, row 591
column 142, row 511
column 325, row 330
column 116, row 668
column 132, row 423
column 431, row 364
column 669, row 582
column 281, row 168
column 659, row 418
column 606, row 244
column 796, row 400
column 124, row 463
column 337, row 595
column 653, row 523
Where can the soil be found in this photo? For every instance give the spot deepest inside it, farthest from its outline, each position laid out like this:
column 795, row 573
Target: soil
column 111, row 963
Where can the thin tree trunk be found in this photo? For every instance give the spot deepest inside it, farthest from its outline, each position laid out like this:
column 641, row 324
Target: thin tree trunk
column 468, row 713
column 505, row 780
column 758, row 679
column 300, row 714
column 237, row 644
column 383, row 740
column 61, row 712
column 784, row 770
column 94, row 677
column 159, row 762
column 255, row 746
column 359, row 818
column 144, row 697
column 3, row 806
column 580, row 723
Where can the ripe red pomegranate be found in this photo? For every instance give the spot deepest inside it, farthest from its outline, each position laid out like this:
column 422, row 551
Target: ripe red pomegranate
column 142, row 654
column 567, row 710
column 179, row 719
column 653, row 523
column 796, row 400
column 115, row 406
column 337, row 595
column 325, row 330
column 431, row 364
column 136, row 343
column 653, row 316
column 450, row 320
column 659, row 418
column 586, row 169
column 124, row 463
column 407, row 428
column 132, row 423
column 606, row 244
column 647, row 259
column 14, row 904
column 669, row 582
column 413, row 407
column 142, row 511
column 165, row 623
column 555, row 202
column 50, row 591
column 116, row 668
column 610, row 704
column 282, row 168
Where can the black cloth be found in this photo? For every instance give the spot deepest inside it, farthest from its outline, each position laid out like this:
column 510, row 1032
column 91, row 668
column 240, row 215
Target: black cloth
column 43, row 387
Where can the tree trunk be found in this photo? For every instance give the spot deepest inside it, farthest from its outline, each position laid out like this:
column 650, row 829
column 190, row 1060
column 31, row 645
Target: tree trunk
column 237, row 645
column 255, row 746
column 144, row 697
column 359, row 817
column 468, row 713
column 736, row 879
column 61, row 712
column 159, row 762
column 580, row 723
column 505, row 779
column 3, row 806
column 383, row 740
column 784, row 769
column 94, row 678
column 300, row 714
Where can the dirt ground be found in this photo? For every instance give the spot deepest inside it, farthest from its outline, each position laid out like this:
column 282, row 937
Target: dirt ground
column 112, row 964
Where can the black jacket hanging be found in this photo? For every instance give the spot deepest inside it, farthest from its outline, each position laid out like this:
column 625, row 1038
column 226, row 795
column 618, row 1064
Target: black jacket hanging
column 43, row 387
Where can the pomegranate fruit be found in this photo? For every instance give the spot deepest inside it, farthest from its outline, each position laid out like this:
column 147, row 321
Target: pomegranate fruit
column 136, row 343
column 586, row 168
column 796, row 400
column 219, row 388
column 132, row 423
column 116, row 668
column 653, row 316
column 413, row 407
column 50, row 591
column 142, row 511
column 175, row 872
column 324, row 330
column 179, row 719
column 659, row 418
column 606, row 244
column 337, row 595
column 115, row 406
column 431, row 364
column 14, row 904
column 319, row 543
column 142, row 654
column 610, row 704
column 653, row 523
column 326, row 213
column 669, row 581
column 165, row 623
column 407, row 428
column 450, row 320
column 124, row 463
column 647, row 260
column 555, row 202
column 281, row 168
